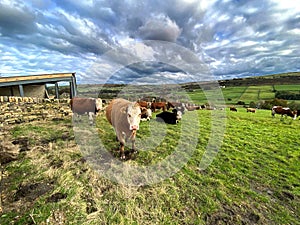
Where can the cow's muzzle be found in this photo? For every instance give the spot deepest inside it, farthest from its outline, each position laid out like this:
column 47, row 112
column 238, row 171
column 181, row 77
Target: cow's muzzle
column 134, row 127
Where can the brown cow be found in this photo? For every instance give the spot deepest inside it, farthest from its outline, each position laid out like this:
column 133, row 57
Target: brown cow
column 251, row 110
column 283, row 111
column 88, row 106
column 233, row 109
column 159, row 105
column 192, row 107
column 145, row 104
column 125, row 117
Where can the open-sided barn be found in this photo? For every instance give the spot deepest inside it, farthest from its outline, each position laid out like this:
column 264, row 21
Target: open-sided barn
column 35, row 85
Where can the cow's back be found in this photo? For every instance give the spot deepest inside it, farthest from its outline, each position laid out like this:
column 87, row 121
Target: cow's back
column 83, row 105
column 118, row 113
column 108, row 111
column 114, row 112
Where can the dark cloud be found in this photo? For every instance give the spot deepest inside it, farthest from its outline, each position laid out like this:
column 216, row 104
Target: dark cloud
column 161, row 28
column 16, row 19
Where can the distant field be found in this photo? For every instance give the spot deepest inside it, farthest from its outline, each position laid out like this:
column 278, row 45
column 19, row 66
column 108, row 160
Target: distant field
column 246, row 94
column 231, row 95
column 293, row 88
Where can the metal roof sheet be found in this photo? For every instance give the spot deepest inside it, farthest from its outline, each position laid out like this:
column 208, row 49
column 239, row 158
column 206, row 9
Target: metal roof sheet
column 40, row 78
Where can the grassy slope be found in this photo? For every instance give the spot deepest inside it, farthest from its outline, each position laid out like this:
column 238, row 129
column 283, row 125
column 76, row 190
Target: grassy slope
column 254, row 178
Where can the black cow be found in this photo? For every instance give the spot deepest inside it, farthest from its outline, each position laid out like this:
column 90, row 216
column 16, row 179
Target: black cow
column 168, row 117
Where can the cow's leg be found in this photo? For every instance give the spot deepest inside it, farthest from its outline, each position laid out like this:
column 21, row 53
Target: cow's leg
column 273, row 113
column 121, row 138
column 91, row 118
column 133, row 148
column 122, row 151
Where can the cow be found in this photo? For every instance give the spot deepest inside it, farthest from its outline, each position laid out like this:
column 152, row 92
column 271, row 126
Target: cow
column 125, row 118
column 169, row 117
column 159, row 105
column 283, row 111
column 145, row 104
column 176, row 104
column 181, row 108
column 253, row 110
column 233, row 109
column 146, row 114
column 298, row 112
column 193, row 107
column 88, row 106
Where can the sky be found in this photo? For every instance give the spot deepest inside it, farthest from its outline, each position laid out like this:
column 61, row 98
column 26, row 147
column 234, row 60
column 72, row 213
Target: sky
column 150, row 41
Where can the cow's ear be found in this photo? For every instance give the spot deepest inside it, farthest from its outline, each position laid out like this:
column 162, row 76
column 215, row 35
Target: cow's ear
column 123, row 110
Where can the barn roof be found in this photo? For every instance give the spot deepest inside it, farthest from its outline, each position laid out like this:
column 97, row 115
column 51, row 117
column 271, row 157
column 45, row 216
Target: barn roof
column 40, row 79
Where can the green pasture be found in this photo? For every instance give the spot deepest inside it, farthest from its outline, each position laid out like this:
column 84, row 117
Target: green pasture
column 254, row 177
column 246, row 94
column 293, row 88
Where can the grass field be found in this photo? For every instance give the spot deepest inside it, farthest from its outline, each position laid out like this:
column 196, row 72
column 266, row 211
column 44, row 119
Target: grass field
column 246, row 94
column 254, row 178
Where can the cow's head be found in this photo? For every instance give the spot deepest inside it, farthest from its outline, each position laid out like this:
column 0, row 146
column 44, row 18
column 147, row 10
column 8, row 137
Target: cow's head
column 295, row 114
column 178, row 114
column 98, row 102
column 133, row 115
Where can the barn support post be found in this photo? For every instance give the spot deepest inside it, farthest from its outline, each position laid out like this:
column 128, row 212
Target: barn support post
column 11, row 91
column 56, row 90
column 21, row 90
column 73, row 91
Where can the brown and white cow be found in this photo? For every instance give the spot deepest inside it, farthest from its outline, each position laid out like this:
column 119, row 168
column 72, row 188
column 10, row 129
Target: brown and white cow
column 145, row 104
column 253, row 110
column 283, row 111
column 125, row 117
column 88, row 106
column 146, row 114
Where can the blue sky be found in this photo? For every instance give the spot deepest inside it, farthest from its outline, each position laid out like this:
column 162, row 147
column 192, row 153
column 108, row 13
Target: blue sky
column 149, row 41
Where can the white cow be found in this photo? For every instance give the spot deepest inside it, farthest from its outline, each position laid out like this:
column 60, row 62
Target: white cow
column 125, row 117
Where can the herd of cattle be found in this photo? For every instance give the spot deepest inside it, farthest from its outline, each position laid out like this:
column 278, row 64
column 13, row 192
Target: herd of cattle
column 125, row 116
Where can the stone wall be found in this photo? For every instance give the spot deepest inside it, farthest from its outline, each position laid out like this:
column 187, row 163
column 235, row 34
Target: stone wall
column 25, row 109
